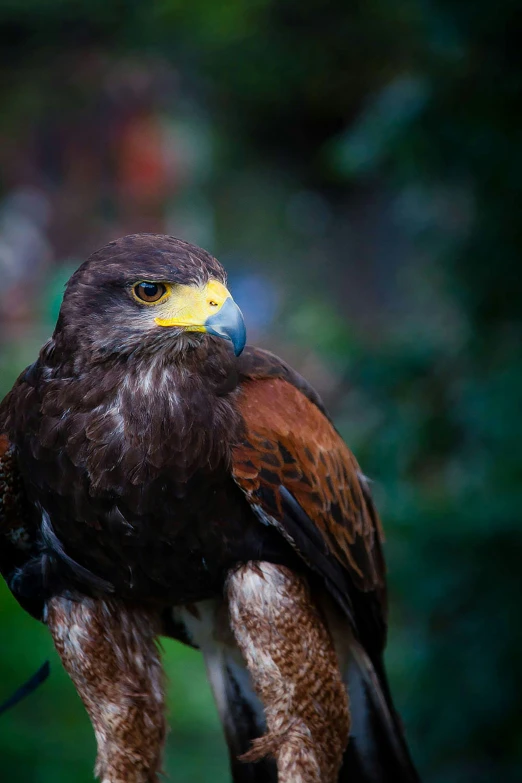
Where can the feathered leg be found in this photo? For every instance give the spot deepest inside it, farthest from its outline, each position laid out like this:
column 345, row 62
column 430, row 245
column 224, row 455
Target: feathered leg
column 294, row 669
column 110, row 653
column 207, row 626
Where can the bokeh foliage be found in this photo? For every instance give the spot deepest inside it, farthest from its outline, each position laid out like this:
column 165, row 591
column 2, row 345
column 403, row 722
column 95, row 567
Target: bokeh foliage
column 416, row 104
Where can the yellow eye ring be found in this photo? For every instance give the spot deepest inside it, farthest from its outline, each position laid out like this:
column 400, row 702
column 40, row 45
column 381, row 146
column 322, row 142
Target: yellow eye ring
column 150, row 293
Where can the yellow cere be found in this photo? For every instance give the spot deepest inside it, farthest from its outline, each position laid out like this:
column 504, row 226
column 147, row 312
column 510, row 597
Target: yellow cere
column 189, row 306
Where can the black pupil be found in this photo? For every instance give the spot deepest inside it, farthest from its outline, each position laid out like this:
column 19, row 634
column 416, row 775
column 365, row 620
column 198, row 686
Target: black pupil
column 150, row 290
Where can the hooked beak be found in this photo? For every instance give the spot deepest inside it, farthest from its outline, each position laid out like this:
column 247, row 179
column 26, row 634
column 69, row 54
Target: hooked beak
column 208, row 308
column 228, row 323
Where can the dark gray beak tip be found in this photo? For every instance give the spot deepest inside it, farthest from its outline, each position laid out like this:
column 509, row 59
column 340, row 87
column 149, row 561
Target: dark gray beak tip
column 229, row 324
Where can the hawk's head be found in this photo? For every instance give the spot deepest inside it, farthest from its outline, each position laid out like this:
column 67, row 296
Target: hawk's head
column 145, row 291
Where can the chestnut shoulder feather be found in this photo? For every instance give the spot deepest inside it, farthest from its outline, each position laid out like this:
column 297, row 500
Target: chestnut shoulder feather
column 299, row 475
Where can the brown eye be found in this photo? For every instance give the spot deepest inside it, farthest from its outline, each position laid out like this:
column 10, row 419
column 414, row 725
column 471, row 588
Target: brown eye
column 150, row 292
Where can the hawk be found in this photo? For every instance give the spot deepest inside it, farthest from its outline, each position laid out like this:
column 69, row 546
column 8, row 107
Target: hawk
column 157, row 477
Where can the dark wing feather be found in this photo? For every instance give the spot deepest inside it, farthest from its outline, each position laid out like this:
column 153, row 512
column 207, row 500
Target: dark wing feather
column 32, row 559
column 299, row 475
column 17, row 529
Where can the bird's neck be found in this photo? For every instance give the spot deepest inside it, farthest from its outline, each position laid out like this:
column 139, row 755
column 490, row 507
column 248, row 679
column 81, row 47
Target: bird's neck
column 180, row 415
column 157, row 415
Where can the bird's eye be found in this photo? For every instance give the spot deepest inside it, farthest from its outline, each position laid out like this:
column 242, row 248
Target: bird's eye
column 212, row 303
column 149, row 292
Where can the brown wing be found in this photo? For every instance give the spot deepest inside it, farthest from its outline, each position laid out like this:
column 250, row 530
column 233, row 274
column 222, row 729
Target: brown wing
column 299, row 475
column 17, row 533
column 32, row 560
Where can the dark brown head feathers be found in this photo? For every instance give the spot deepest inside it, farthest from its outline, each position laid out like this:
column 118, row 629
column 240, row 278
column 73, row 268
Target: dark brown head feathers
column 139, row 256
column 99, row 315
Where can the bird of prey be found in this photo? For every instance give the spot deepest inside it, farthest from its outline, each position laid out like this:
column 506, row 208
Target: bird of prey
column 157, row 477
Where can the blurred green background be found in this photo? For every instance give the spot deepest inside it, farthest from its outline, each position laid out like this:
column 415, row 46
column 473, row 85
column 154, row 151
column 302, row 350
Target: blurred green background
column 357, row 167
